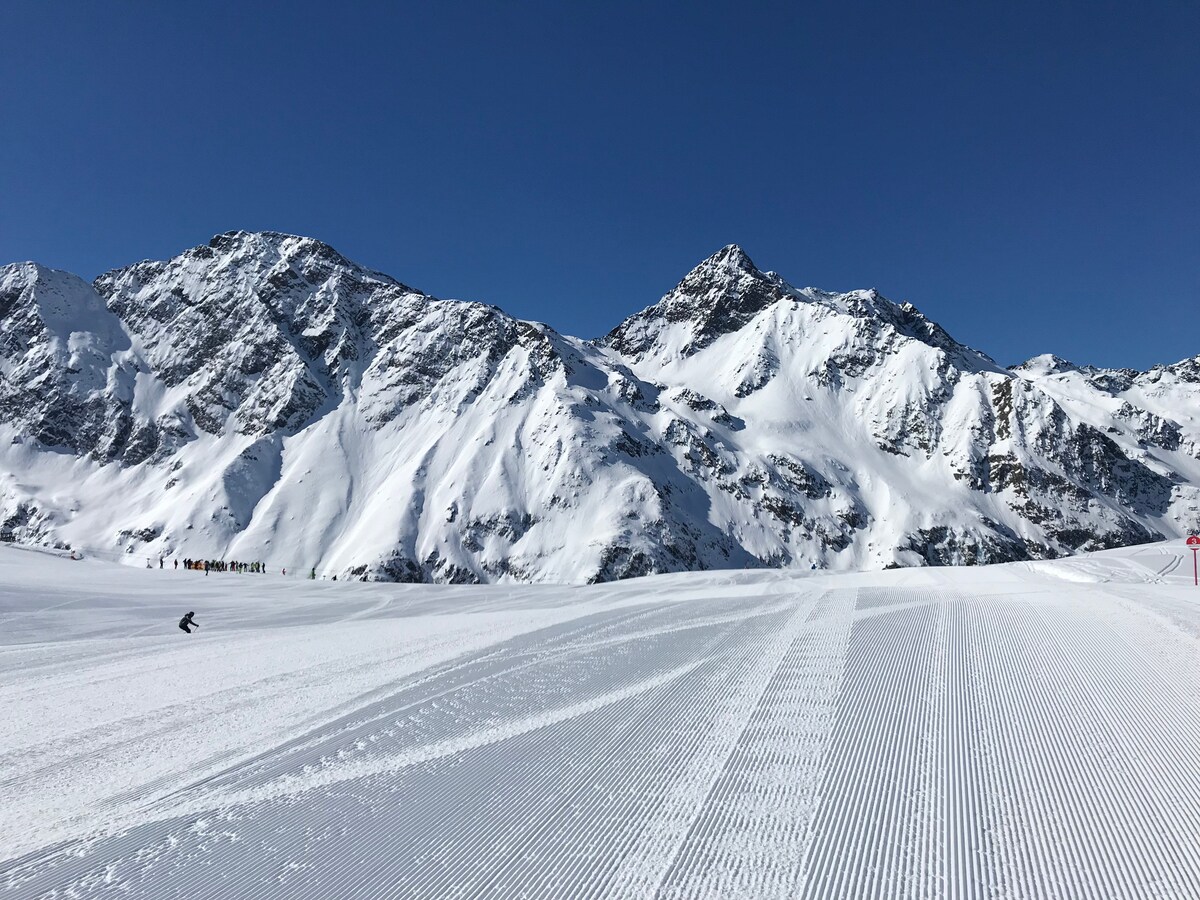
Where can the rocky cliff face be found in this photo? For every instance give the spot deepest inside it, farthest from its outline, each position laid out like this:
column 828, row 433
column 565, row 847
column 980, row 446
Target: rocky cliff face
column 262, row 397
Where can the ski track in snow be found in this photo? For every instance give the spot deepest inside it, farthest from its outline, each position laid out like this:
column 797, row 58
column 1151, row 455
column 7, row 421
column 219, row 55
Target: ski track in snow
column 1009, row 732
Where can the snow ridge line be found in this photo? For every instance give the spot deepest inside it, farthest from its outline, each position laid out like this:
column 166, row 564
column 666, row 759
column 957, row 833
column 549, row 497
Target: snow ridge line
column 769, row 784
column 587, row 747
column 332, row 773
column 689, row 625
column 532, row 847
column 417, row 877
column 642, row 754
column 644, row 870
column 478, row 667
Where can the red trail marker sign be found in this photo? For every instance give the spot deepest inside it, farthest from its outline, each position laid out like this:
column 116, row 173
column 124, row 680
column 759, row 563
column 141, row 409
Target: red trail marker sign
column 1193, row 543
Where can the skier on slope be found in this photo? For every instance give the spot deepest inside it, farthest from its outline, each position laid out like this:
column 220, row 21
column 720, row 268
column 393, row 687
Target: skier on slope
column 186, row 621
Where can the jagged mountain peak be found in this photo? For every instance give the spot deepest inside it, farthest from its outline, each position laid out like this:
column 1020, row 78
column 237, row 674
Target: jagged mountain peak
column 242, row 237
column 33, row 274
column 726, row 292
column 60, row 300
column 1046, row 364
column 249, row 255
column 1186, row 370
column 730, row 258
column 280, row 245
column 721, row 275
column 261, row 395
column 719, row 295
column 258, row 331
column 23, row 269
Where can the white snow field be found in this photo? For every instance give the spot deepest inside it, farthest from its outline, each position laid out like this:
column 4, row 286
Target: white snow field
column 1027, row 730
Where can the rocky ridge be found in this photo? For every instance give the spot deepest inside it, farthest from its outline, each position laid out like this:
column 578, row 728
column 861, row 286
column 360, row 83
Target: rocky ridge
column 262, row 397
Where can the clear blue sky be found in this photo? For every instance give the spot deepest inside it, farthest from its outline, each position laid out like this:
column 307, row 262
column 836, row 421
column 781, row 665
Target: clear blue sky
column 1026, row 173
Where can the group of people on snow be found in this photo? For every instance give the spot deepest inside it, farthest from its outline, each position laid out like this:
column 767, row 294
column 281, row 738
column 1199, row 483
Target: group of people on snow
column 223, row 565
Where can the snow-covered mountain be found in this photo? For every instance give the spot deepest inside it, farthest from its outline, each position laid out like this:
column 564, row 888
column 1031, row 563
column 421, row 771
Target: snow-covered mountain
column 263, row 398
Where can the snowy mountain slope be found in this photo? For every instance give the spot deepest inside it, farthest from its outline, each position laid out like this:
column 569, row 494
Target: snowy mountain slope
column 66, row 365
column 262, row 397
column 359, row 425
column 952, row 458
column 1026, row 730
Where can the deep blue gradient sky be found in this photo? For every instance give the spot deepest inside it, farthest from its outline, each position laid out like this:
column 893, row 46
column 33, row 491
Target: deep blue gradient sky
column 1025, row 173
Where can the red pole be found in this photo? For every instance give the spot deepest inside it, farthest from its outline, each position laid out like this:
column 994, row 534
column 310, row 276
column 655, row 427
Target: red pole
column 1195, row 572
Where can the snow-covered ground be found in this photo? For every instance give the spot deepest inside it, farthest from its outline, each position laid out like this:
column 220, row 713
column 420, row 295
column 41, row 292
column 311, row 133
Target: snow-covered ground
column 1029, row 730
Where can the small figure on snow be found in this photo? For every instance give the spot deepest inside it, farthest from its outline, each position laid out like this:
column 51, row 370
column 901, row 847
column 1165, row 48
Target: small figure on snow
column 186, row 621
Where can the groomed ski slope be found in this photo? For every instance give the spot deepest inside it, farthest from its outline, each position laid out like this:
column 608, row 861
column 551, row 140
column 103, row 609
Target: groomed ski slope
column 1030, row 730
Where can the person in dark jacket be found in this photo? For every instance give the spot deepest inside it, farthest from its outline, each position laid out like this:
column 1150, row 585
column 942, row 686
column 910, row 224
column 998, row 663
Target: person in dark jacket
column 186, row 621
